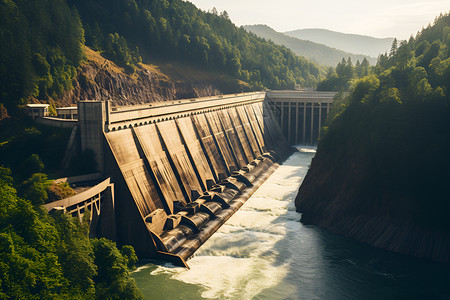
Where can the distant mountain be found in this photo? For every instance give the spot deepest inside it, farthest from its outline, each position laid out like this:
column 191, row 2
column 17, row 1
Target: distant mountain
column 319, row 53
column 353, row 43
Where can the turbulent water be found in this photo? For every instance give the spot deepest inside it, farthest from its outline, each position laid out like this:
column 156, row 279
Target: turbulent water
column 264, row 252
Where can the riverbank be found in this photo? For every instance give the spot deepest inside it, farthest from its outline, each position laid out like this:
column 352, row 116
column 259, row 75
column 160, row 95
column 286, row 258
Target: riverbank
column 264, row 252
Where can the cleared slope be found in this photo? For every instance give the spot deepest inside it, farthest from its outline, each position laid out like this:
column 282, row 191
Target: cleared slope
column 99, row 78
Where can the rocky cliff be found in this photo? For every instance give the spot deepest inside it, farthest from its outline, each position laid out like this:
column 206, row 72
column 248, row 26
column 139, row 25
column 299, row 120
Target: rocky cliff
column 381, row 171
column 99, row 78
column 346, row 199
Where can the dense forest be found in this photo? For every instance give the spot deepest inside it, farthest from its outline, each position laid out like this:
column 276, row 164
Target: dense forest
column 42, row 42
column 40, row 49
column 50, row 256
column 178, row 30
column 340, row 79
column 345, row 75
column 382, row 163
column 45, row 257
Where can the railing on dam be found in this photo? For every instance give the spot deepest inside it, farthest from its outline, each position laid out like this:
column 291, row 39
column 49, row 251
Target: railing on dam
column 180, row 170
column 138, row 115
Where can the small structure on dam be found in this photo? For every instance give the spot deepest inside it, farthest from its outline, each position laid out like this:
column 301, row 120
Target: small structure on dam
column 301, row 114
column 93, row 193
column 180, row 169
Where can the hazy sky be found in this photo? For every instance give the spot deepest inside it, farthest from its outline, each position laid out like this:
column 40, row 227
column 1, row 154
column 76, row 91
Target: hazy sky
column 379, row 18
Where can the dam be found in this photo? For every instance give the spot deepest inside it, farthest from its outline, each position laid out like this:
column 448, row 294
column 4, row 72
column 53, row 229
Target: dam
column 300, row 114
column 179, row 170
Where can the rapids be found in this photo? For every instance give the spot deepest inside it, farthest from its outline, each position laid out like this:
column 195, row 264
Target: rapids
column 264, row 252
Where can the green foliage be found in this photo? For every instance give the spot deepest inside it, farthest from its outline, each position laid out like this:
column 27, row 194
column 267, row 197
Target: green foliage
column 44, row 257
column 35, row 188
column 341, row 78
column 130, row 255
column 32, row 164
column 177, row 30
column 29, row 148
column 364, row 89
column 28, row 261
column 396, row 121
column 76, row 254
column 52, row 110
column 116, row 49
column 5, row 176
column 59, row 191
column 113, row 279
column 41, row 44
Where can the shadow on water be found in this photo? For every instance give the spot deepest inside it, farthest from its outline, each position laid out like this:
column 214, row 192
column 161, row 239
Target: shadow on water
column 157, row 283
column 323, row 265
column 314, row 263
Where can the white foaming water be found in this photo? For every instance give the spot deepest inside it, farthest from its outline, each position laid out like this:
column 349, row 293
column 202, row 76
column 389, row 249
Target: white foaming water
column 263, row 252
column 249, row 253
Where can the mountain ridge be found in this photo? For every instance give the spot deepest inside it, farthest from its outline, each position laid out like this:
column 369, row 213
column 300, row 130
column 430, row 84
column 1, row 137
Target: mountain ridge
column 349, row 42
column 316, row 52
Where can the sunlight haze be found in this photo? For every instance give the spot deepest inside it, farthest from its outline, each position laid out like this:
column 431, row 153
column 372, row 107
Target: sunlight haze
column 380, row 18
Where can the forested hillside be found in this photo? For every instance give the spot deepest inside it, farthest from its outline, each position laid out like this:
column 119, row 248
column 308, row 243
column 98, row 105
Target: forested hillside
column 178, row 30
column 42, row 45
column 380, row 174
column 342, row 78
column 43, row 257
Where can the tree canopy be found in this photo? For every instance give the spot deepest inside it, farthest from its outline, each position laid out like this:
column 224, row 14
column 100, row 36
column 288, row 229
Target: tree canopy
column 42, row 42
column 396, row 121
column 43, row 256
column 177, row 30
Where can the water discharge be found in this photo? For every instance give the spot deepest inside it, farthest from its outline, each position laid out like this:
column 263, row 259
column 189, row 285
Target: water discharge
column 264, row 252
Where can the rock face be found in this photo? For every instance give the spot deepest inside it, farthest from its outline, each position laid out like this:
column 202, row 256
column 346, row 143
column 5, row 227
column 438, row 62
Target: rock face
column 100, row 78
column 344, row 200
column 96, row 81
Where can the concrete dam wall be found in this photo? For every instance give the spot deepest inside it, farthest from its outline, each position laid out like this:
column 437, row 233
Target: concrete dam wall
column 181, row 170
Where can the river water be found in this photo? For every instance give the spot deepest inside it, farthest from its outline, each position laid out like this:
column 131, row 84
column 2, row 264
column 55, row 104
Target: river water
column 264, row 252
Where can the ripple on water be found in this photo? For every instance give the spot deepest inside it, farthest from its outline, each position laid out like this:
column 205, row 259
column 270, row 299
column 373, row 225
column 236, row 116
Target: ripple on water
column 242, row 258
column 263, row 252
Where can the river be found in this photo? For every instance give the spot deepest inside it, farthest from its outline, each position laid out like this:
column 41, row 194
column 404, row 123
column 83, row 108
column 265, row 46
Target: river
column 264, row 252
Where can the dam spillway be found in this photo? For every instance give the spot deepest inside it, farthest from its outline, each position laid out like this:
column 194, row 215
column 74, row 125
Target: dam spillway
column 300, row 114
column 181, row 169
